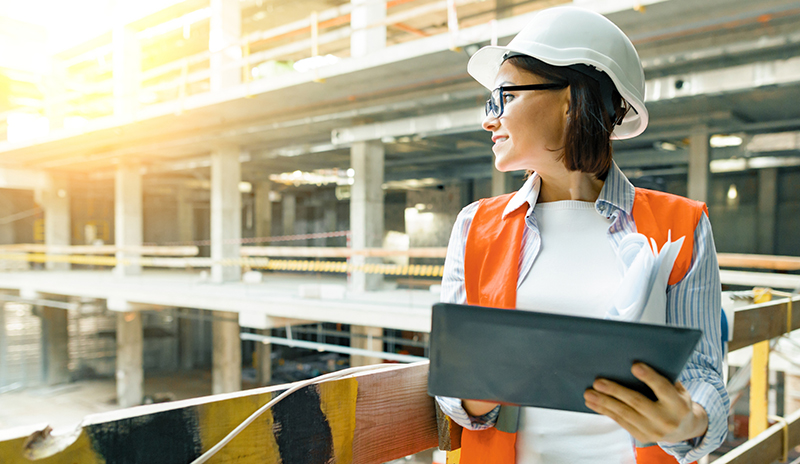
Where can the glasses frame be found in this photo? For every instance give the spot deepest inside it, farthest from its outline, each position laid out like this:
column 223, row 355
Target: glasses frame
column 491, row 106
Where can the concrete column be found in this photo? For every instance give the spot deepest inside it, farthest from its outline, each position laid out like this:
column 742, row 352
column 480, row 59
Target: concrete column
column 55, row 348
column 6, row 209
column 289, row 213
column 501, row 182
column 699, row 174
column 130, row 370
column 223, row 43
column 128, row 216
column 366, row 209
column 57, row 222
column 366, row 342
column 186, row 348
column 3, row 346
column 330, row 219
column 185, row 216
column 264, row 358
column 127, row 69
column 363, row 40
column 263, row 209
column 767, row 209
column 226, row 212
column 226, row 372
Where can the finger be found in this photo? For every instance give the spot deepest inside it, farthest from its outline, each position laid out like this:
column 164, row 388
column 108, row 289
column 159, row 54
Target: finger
column 663, row 388
column 634, row 399
column 623, row 421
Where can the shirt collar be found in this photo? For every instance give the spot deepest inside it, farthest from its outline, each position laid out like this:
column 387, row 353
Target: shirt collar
column 529, row 193
column 617, row 192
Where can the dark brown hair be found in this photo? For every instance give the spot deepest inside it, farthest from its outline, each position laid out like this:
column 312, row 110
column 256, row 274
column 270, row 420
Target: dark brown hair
column 587, row 138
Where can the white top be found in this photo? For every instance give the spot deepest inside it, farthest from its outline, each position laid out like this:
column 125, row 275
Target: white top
column 575, row 273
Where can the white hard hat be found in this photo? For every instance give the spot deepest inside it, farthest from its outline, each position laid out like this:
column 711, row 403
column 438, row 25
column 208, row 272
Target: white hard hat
column 565, row 36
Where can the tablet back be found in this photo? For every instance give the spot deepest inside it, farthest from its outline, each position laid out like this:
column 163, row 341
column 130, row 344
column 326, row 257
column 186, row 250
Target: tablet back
column 544, row 360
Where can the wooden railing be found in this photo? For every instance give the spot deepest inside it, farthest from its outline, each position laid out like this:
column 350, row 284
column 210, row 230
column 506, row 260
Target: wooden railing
column 368, row 418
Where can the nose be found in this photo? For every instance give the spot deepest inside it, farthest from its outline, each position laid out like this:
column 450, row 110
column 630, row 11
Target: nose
column 490, row 123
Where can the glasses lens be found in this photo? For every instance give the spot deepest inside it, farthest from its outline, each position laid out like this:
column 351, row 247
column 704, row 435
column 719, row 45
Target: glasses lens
column 496, row 101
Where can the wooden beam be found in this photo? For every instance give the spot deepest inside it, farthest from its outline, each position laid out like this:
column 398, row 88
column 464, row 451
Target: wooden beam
column 767, row 446
column 760, row 322
column 369, row 418
column 102, row 249
column 775, row 263
column 341, row 252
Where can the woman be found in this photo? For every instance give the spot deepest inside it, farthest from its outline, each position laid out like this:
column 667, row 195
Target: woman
column 561, row 90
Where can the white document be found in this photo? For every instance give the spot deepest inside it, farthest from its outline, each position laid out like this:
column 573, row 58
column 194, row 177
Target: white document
column 642, row 294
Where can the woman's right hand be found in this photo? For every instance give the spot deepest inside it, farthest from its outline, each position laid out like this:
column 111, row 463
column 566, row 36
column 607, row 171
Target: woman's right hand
column 477, row 408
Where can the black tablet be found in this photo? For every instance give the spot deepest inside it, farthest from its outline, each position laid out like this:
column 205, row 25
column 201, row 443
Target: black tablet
column 545, row 360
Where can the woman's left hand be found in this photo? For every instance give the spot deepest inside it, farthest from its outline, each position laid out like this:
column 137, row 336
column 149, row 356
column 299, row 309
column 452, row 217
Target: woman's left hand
column 673, row 418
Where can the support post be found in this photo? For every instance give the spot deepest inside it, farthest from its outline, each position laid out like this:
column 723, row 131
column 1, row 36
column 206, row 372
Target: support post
column 263, row 209
column 366, row 209
column 130, row 349
column 759, row 377
column 264, row 360
column 55, row 345
column 288, row 213
column 501, row 182
column 767, row 209
column 366, row 39
column 127, row 69
column 57, row 223
column 699, row 173
column 186, row 348
column 226, row 372
column 226, row 213
column 223, row 43
column 366, row 341
column 3, row 346
column 128, row 217
column 185, row 216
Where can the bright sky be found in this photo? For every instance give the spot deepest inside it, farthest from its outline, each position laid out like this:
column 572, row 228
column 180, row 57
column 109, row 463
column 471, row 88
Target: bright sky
column 70, row 22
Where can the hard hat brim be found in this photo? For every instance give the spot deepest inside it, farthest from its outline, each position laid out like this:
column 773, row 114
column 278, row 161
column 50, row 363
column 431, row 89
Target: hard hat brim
column 484, row 65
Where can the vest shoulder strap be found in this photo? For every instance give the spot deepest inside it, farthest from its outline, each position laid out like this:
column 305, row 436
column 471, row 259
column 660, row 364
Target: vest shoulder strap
column 658, row 213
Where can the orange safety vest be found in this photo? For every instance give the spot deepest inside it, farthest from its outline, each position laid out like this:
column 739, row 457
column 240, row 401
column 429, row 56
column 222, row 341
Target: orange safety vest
column 491, row 271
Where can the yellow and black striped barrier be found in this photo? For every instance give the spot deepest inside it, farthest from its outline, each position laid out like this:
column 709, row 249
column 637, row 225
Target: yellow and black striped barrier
column 425, row 270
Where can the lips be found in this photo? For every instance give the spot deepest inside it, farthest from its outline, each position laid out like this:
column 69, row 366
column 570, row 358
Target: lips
column 499, row 138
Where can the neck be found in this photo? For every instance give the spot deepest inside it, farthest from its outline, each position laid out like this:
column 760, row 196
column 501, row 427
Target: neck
column 570, row 185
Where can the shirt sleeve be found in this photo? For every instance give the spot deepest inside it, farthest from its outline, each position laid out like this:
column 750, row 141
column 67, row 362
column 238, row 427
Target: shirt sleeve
column 453, row 291
column 696, row 301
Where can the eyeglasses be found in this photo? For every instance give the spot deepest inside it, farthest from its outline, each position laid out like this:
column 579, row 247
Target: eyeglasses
column 494, row 105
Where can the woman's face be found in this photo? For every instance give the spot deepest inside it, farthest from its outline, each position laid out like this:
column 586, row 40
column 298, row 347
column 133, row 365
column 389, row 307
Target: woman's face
column 529, row 135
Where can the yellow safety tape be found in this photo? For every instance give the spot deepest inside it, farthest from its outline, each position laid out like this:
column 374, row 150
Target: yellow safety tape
column 427, row 270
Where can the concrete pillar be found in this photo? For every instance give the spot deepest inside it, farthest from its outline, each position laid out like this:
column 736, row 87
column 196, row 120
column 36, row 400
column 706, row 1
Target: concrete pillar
column 55, row 348
column 130, row 370
column 288, row 213
column 263, row 209
column 57, row 223
column 6, row 209
column 699, row 174
column 501, row 182
column 185, row 216
column 226, row 371
column 3, row 346
column 128, row 216
column 767, row 209
column 366, row 209
column 366, row 40
column 365, row 342
column 264, row 360
column 223, row 43
column 330, row 218
column 186, row 348
column 127, row 69
column 226, row 213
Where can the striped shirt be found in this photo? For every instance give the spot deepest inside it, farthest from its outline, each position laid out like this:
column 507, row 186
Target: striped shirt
column 694, row 302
